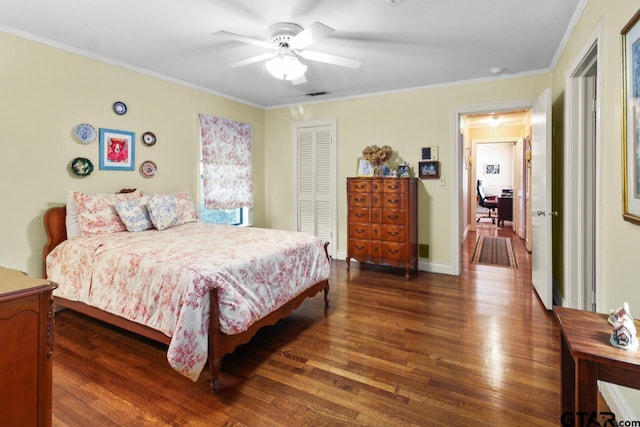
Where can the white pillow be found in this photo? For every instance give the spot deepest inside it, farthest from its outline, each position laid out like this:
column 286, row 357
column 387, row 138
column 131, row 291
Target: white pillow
column 71, row 220
column 134, row 214
column 163, row 211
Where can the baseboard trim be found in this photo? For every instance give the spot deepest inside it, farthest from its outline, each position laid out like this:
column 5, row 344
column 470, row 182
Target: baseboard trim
column 423, row 264
column 616, row 401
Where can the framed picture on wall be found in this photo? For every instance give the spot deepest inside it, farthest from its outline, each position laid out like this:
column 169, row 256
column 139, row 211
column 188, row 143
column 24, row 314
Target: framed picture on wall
column 429, row 170
column 117, row 150
column 631, row 119
column 492, row 169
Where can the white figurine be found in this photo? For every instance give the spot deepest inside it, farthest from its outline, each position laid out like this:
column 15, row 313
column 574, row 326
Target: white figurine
column 624, row 329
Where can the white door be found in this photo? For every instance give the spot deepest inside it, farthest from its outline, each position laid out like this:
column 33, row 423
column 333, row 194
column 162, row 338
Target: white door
column 541, row 213
column 315, row 171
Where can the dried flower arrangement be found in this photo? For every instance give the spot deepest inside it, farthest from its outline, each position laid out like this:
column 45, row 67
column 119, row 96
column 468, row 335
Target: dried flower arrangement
column 377, row 155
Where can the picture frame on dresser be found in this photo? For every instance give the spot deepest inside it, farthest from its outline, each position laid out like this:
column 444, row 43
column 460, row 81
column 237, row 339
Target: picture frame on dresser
column 365, row 168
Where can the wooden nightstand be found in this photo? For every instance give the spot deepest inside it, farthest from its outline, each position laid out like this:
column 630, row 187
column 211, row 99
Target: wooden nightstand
column 26, row 333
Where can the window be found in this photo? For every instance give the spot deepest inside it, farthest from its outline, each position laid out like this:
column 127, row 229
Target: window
column 226, row 176
column 234, row 216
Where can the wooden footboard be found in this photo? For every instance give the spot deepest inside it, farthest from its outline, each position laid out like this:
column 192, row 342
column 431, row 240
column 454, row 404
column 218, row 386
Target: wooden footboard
column 220, row 344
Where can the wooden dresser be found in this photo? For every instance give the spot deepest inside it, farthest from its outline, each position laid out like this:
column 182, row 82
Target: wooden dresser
column 26, row 333
column 383, row 221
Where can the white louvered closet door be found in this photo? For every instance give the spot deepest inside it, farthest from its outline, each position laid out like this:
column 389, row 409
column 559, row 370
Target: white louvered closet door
column 314, row 172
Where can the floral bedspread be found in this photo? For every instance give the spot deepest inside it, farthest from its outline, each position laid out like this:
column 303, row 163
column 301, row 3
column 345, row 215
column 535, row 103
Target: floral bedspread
column 162, row 278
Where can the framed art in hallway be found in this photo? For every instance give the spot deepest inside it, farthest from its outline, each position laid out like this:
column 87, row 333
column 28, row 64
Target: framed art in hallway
column 631, row 119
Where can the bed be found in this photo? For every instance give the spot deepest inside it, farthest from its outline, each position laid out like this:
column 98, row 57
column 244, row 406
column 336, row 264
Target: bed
column 202, row 289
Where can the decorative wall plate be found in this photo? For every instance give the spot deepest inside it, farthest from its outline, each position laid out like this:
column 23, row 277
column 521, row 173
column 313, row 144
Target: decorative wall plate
column 148, row 138
column 148, row 169
column 120, row 108
column 85, row 133
column 81, row 166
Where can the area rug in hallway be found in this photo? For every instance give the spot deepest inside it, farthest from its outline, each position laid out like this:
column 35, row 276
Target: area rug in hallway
column 494, row 251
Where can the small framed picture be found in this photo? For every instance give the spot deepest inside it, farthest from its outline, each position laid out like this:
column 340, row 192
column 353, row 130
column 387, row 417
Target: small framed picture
column 117, row 150
column 365, row 168
column 492, row 169
column 429, row 170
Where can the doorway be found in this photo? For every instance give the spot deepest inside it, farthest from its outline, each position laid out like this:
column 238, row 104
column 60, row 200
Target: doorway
column 493, row 142
column 582, row 192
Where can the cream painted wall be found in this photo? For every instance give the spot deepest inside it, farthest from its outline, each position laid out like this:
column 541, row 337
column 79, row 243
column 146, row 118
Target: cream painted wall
column 406, row 121
column 45, row 92
column 619, row 239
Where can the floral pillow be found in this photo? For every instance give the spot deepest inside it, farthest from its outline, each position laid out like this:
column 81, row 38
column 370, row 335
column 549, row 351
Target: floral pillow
column 97, row 214
column 134, row 214
column 163, row 211
column 185, row 207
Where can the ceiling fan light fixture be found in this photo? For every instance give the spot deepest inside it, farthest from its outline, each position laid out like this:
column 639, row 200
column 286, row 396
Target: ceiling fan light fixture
column 286, row 67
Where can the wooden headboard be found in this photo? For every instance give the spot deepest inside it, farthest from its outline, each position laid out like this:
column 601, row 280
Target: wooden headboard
column 56, row 229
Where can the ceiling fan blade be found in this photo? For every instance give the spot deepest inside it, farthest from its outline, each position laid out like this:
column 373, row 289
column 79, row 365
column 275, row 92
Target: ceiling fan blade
column 300, row 80
column 244, row 39
column 253, row 59
column 310, row 35
column 330, row 59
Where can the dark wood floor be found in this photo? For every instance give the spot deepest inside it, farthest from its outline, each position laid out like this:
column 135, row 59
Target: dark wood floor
column 478, row 349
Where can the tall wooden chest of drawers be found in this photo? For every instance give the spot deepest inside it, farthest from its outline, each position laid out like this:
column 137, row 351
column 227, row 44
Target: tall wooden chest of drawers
column 383, row 221
column 26, row 333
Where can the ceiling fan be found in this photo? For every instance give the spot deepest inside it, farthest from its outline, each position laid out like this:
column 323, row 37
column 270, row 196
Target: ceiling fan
column 288, row 42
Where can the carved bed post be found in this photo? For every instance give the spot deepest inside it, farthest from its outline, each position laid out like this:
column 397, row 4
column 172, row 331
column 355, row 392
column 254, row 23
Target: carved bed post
column 326, row 289
column 215, row 358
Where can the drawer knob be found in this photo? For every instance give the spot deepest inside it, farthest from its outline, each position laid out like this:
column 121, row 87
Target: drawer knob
column 394, row 201
column 359, row 230
column 393, row 233
column 393, row 216
column 360, row 199
column 393, row 251
column 359, row 215
column 360, row 247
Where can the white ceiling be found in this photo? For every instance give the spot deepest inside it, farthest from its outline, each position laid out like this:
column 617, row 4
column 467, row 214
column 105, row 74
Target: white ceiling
column 413, row 44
